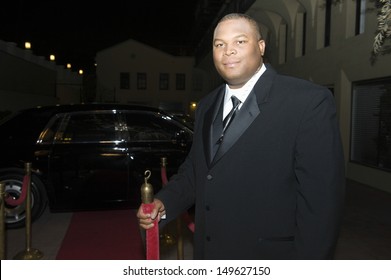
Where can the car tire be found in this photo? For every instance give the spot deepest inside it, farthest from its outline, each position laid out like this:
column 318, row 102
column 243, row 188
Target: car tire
column 15, row 216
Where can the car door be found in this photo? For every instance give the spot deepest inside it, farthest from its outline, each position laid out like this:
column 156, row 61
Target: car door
column 152, row 136
column 88, row 163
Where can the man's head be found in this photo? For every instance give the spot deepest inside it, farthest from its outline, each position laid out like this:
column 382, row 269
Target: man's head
column 238, row 48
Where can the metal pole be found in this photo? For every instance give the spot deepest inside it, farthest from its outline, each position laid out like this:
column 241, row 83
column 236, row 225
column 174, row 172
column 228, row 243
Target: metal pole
column 180, row 249
column 152, row 234
column 29, row 253
column 2, row 223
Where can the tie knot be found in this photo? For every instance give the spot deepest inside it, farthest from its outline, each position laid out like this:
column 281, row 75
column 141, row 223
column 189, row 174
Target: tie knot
column 235, row 101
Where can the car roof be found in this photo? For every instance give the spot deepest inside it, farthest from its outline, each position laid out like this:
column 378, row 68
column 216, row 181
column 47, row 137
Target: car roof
column 38, row 116
column 33, row 120
column 90, row 107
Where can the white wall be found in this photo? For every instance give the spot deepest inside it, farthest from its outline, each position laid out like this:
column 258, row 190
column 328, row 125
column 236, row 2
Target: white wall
column 346, row 60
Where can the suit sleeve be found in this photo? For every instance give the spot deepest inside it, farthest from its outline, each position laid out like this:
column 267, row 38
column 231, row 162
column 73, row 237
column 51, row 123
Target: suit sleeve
column 179, row 194
column 319, row 169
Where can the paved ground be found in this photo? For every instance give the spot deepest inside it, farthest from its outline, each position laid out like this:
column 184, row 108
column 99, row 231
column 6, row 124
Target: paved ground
column 365, row 233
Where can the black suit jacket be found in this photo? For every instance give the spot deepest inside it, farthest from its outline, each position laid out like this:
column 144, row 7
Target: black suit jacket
column 275, row 188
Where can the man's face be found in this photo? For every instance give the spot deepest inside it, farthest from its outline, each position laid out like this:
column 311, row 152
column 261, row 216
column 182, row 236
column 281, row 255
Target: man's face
column 237, row 51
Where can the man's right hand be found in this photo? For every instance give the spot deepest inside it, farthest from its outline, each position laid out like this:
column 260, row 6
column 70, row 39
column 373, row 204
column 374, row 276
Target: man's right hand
column 146, row 220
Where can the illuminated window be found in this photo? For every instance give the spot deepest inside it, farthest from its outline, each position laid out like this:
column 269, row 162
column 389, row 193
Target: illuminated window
column 360, row 16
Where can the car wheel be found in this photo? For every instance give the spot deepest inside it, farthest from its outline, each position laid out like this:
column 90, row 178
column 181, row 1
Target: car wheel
column 15, row 216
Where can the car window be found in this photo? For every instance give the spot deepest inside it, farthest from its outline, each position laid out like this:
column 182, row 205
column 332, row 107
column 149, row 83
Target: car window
column 89, row 127
column 47, row 135
column 23, row 127
column 150, row 127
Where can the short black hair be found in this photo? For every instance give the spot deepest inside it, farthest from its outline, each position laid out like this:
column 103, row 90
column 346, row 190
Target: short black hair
column 252, row 21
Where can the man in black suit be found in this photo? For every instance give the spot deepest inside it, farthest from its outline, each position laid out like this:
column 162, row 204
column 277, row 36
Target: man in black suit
column 269, row 183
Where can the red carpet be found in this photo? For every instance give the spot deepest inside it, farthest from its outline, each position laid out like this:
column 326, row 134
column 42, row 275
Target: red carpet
column 102, row 235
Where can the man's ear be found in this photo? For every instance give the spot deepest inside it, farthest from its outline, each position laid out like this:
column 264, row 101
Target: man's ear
column 261, row 45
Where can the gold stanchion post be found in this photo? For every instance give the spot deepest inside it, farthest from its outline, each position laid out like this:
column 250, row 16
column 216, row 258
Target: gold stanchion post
column 152, row 234
column 2, row 222
column 163, row 162
column 180, row 249
column 167, row 237
column 29, row 253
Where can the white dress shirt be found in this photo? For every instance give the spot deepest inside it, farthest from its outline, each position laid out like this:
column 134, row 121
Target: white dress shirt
column 241, row 93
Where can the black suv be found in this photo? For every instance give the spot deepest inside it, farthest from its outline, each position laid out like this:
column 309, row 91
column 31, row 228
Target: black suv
column 87, row 156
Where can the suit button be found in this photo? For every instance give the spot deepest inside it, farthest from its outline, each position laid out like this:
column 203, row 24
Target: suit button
column 207, row 208
column 209, row 177
column 208, row 238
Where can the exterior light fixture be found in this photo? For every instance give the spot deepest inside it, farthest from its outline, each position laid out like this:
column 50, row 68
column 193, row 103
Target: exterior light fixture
column 69, row 66
column 52, row 57
column 27, row 45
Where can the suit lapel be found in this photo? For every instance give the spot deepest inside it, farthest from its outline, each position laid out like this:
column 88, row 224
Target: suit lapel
column 247, row 114
column 243, row 119
column 211, row 121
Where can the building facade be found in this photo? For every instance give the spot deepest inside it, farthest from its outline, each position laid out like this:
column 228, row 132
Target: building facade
column 132, row 72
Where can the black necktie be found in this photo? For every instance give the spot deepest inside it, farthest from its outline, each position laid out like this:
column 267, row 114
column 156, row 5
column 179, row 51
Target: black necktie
column 231, row 115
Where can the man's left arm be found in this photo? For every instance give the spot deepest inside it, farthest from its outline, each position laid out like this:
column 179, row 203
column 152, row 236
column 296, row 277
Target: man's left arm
column 319, row 168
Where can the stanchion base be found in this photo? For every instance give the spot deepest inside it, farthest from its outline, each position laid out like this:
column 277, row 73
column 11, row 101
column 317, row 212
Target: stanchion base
column 167, row 239
column 31, row 254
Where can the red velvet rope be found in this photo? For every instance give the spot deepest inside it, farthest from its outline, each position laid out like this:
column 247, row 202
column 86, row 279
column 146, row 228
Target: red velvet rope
column 15, row 202
column 185, row 216
column 152, row 236
column 189, row 221
column 164, row 175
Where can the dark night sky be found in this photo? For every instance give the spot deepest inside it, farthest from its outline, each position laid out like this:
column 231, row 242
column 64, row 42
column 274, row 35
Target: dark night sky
column 75, row 30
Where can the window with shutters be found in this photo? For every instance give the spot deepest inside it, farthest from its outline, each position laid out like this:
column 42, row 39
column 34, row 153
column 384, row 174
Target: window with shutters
column 371, row 123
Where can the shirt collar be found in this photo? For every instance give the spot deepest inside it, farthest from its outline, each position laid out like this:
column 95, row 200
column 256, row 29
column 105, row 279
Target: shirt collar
column 244, row 91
